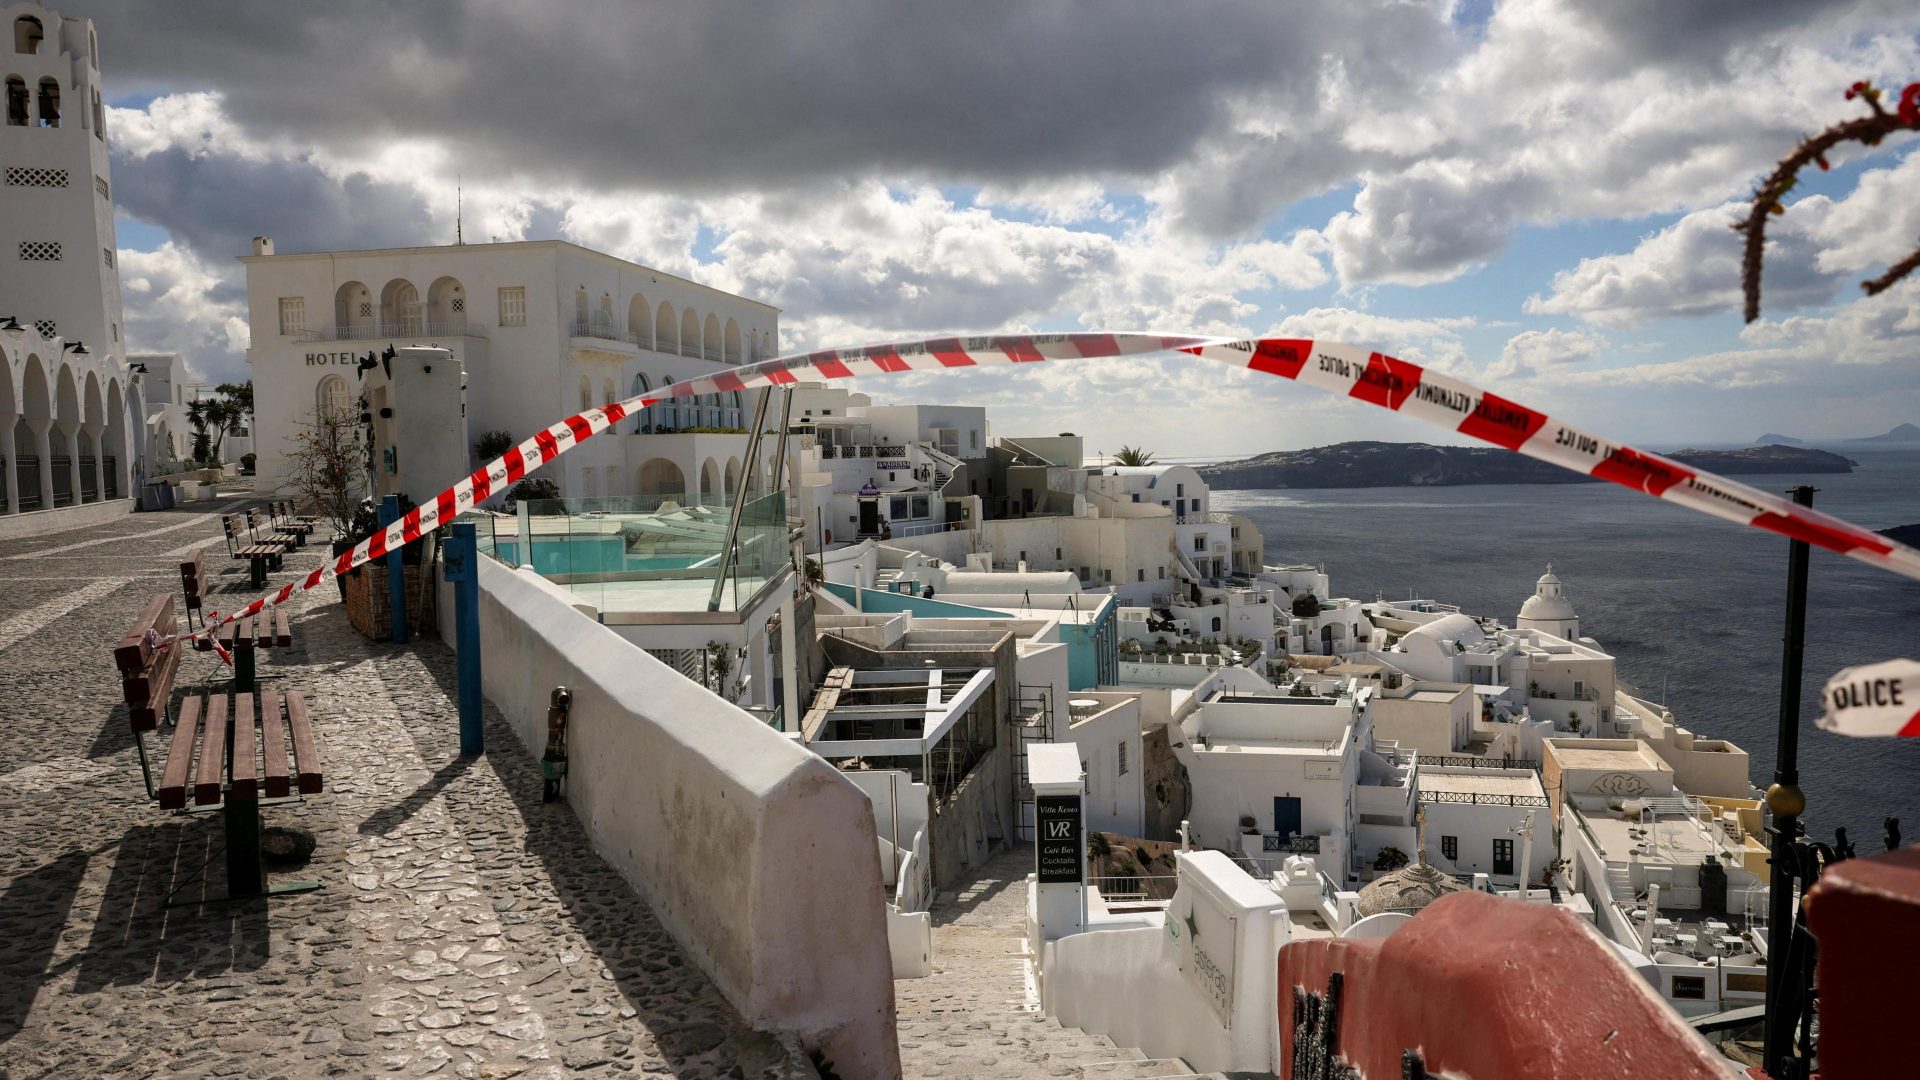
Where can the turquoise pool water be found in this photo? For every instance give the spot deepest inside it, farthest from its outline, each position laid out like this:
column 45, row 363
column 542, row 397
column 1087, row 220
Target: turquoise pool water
column 591, row 554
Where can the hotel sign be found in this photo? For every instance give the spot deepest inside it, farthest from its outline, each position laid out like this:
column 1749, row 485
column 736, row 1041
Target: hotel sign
column 1058, row 831
column 324, row 359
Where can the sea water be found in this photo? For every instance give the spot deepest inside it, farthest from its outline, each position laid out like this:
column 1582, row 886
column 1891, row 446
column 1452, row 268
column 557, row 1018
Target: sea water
column 1693, row 608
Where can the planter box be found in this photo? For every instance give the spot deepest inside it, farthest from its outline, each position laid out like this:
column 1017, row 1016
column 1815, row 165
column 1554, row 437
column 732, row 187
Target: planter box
column 370, row 601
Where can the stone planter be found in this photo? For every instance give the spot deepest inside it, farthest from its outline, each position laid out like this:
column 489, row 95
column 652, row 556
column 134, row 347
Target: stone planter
column 370, row 600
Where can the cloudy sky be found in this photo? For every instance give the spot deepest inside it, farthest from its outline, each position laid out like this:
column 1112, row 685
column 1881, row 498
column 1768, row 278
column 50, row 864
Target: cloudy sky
column 1530, row 193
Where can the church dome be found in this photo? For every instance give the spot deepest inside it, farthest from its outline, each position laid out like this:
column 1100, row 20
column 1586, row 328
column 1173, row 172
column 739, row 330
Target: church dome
column 1548, row 602
column 1407, row 889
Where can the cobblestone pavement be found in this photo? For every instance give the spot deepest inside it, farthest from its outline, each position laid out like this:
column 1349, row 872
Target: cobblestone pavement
column 465, row 929
column 975, row 1015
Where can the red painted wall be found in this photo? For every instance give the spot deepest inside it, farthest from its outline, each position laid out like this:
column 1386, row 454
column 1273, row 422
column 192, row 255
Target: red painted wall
column 1489, row 987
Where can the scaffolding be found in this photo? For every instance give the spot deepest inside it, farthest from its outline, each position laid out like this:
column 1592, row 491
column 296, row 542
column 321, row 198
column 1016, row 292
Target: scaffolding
column 1032, row 722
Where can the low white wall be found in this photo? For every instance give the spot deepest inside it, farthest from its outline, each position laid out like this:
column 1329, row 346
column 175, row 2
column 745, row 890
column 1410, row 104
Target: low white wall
column 59, row 519
column 757, row 855
column 1134, row 987
column 910, row 943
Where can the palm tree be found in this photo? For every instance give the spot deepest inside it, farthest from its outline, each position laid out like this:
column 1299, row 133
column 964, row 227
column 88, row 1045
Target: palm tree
column 1133, row 455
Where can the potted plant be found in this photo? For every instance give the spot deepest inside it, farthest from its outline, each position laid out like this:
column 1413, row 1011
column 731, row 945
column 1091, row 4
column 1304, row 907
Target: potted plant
column 1248, row 826
column 1389, row 858
column 1573, row 722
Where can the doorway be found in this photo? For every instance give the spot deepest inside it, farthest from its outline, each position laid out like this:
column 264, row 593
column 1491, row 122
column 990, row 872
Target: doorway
column 1286, row 816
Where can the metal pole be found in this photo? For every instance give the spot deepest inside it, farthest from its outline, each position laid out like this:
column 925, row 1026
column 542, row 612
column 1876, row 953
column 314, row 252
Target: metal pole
column 739, row 501
column 463, row 570
column 780, row 454
column 396, row 571
column 1787, row 802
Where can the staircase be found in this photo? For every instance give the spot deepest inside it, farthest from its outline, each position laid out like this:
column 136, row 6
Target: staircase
column 1620, row 882
column 943, row 464
column 974, row 1016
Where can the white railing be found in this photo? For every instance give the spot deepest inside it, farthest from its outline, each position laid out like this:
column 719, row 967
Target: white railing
column 407, row 328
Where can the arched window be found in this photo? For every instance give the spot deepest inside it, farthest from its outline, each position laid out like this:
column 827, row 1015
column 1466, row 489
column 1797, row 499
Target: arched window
column 606, row 391
column 640, row 322
column 27, row 35
column 689, row 333
column 664, row 336
column 669, row 411
column 49, row 103
column 353, row 308
column 400, row 309
column 642, row 418
column 733, row 342
column 603, row 318
column 17, row 101
column 333, row 398
column 586, row 393
column 710, row 338
column 446, row 306
column 580, row 311
column 1216, row 624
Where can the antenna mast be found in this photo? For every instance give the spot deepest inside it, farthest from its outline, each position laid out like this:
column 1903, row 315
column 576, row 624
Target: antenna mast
column 459, row 206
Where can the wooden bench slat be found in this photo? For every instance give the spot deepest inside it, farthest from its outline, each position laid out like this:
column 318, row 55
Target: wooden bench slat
column 173, row 782
column 282, row 633
column 306, row 756
column 144, row 714
column 246, row 768
column 273, row 740
column 262, row 630
column 131, row 652
column 213, row 752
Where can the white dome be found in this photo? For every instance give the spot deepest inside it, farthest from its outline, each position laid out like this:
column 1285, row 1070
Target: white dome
column 1547, row 608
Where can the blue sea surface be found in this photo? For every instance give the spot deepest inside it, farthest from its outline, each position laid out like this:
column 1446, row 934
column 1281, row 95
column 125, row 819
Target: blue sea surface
column 1693, row 607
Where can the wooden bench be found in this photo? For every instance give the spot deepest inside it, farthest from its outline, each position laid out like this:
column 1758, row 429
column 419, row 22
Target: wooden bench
column 260, row 555
column 261, row 522
column 193, row 577
column 267, row 630
column 236, row 761
column 285, row 519
column 147, row 664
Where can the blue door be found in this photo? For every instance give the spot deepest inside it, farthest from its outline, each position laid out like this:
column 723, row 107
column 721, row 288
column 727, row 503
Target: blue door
column 1286, row 816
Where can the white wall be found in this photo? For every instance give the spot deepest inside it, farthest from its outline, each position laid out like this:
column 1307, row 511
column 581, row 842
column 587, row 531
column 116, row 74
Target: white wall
column 1139, row 986
column 1114, row 799
column 759, row 857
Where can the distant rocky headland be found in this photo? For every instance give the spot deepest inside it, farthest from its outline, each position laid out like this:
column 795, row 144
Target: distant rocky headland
column 1900, row 434
column 1384, row 464
column 1906, row 534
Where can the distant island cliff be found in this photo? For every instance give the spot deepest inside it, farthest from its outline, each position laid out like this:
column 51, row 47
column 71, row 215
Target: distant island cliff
column 1900, row 434
column 1384, row 464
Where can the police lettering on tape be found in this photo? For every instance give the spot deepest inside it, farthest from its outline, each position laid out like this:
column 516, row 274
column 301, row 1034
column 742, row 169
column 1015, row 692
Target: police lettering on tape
column 1875, row 699
column 1355, row 372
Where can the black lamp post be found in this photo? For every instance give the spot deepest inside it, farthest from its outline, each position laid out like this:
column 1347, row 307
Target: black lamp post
column 1787, row 802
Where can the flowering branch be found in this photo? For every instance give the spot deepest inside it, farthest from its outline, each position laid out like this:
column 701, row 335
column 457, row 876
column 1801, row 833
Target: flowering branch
column 1867, row 130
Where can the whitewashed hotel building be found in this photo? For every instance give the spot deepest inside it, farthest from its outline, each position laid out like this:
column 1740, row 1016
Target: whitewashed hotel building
column 544, row 328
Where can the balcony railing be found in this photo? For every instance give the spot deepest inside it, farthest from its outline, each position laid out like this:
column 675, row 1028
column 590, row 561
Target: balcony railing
column 1469, row 761
column 404, row 329
column 1478, row 798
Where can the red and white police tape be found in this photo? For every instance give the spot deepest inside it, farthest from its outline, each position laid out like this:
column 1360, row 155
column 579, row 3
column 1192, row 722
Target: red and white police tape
column 1348, row 370
column 1874, row 699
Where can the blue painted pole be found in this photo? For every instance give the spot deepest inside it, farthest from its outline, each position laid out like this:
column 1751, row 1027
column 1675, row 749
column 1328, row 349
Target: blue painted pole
column 396, row 572
column 463, row 570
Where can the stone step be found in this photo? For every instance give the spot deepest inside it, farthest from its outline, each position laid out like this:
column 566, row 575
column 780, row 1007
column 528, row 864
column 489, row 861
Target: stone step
column 1137, row 1070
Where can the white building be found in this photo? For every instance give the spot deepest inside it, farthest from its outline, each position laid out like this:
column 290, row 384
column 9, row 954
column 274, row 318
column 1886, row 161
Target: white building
column 163, row 384
column 544, row 329
column 69, row 416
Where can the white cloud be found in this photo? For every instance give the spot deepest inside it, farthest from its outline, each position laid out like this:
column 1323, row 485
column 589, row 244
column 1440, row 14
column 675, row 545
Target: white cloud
column 1531, row 352
column 1692, row 267
column 173, row 302
column 1431, row 343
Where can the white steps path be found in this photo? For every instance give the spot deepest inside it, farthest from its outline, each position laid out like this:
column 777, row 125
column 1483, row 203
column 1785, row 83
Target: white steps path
column 972, row 1017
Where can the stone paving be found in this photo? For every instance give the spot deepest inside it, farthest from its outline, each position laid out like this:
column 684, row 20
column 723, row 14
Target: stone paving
column 975, row 1016
column 465, row 929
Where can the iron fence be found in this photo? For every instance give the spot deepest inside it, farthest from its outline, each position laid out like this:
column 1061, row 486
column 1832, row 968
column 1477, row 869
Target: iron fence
column 1477, row 798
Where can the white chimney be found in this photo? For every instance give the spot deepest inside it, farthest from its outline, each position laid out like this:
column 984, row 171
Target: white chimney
column 263, row 245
